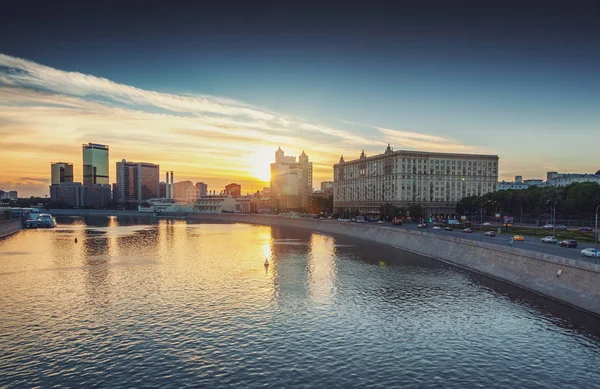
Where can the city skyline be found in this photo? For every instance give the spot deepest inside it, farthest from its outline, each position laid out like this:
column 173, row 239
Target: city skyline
column 214, row 101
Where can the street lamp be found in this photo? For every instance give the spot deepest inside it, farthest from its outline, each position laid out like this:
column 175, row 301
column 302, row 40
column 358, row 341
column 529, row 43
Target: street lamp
column 596, row 236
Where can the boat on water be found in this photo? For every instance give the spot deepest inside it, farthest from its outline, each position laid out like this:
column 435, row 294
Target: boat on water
column 42, row 220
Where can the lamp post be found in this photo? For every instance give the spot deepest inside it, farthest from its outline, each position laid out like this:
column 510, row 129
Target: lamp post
column 596, row 236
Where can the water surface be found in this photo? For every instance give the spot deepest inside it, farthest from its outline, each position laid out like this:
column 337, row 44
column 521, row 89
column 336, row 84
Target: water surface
column 172, row 304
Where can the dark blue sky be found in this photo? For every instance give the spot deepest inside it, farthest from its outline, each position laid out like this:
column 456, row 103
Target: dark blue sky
column 482, row 74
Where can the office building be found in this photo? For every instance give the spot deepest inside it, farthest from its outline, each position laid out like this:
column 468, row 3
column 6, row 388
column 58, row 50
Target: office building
column 61, row 172
column 137, row 181
column 435, row 181
column 327, row 188
column 75, row 195
column 564, row 179
column 233, row 189
column 291, row 182
column 95, row 164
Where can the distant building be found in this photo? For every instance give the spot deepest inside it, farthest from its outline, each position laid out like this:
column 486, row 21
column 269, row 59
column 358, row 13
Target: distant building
column 291, row 182
column 436, row 181
column 233, row 189
column 76, row 195
column 95, row 196
column 13, row 195
column 202, row 188
column 180, row 189
column 95, row 164
column 137, row 181
column 517, row 184
column 61, row 172
column 534, row 182
column 564, row 179
column 327, row 187
column 68, row 193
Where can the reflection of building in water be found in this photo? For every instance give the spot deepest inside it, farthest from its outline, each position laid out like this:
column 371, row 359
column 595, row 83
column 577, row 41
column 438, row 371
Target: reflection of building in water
column 322, row 268
column 290, row 268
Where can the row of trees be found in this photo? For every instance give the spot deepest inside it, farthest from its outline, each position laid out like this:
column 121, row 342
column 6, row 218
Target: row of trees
column 577, row 200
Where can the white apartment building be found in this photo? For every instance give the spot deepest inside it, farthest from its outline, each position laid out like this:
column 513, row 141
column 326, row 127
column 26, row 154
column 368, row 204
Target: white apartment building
column 564, row 179
column 436, row 181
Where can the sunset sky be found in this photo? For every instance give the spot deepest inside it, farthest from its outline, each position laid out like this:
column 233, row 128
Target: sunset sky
column 211, row 92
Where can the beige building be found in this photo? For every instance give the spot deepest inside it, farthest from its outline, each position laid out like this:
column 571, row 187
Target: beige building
column 436, row 181
column 291, row 182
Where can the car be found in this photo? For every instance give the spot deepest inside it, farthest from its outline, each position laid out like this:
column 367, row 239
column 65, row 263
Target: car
column 549, row 239
column 487, row 224
column 380, row 221
column 547, row 226
column 568, row 243
column 562, row 227
column 490, row 233
column 449, row 229
column 590, row 252
column 468, row 230
column 422, row 225
column 520, row 238
column 585, row 229
column 437, row 227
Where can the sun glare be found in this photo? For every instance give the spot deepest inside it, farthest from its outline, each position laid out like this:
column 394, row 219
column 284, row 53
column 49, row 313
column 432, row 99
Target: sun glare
column 260, row 166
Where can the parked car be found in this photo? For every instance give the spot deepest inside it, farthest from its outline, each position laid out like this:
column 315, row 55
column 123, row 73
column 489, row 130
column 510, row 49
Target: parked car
column 380, row 222
column 549, row 239
column 585, row 229
column 468, row 230
column 422, row 225
column 590, row 252
column 487, row 224
column 520, row 238
column 562, row 227
column 449, row 229
column 437, row 227
column 547, row 226
column 490, row 233
column 568, row 243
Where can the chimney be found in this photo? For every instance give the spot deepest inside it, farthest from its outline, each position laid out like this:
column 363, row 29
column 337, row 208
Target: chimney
column 172, row 192
column 167, row 186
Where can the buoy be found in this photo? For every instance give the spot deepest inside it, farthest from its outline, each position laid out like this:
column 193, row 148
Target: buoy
column 266, row 261
column 559, row 272
column 75, row 240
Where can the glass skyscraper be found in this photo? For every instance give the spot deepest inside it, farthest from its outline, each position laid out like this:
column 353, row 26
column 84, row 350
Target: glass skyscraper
column 95, row 164
column 61, row 172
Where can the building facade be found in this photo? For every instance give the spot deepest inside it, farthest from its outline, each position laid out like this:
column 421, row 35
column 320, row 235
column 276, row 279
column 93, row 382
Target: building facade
column 291, row 182
column 75, row 195
column 61, row 172
column 95, row 164
column 137, row 181
column 435, row 181
column 233, row 189
column 564, row 179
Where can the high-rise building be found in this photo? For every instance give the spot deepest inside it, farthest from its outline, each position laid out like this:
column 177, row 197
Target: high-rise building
column 435, row 181
column 61, row 172
column 291, row 182
column 202, row 188
column 233, row 189
column 137, row 181
column 95, row 164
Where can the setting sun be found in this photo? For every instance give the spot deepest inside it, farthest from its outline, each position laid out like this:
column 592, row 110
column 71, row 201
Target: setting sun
column 260, row 165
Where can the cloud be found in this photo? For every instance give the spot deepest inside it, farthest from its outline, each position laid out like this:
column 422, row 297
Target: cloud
column 407, row 140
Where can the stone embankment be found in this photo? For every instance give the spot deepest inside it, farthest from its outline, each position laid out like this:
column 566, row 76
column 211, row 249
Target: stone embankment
column 9, row 227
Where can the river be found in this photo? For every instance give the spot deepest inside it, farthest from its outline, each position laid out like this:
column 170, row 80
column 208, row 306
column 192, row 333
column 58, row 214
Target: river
column 121, row 302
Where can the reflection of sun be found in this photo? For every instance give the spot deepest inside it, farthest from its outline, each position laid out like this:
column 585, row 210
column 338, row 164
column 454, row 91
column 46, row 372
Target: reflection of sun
column 259, row 165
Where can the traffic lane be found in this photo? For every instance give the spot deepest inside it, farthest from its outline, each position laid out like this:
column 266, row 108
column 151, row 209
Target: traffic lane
column 530, row 243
